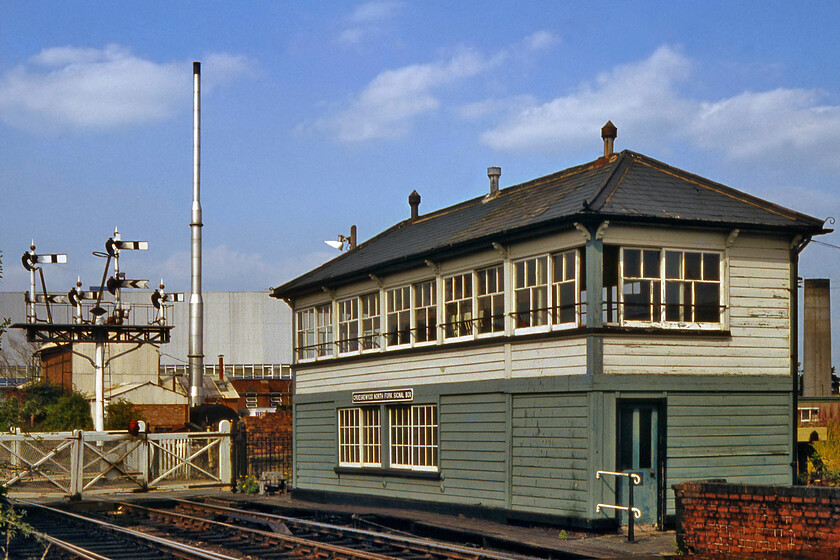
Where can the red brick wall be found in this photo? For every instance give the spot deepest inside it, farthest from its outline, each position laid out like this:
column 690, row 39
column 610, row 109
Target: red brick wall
column 269, row 443
column 738, row 521
column 263, row 389
column 57, row 368
column 163, row 416
column 269, row 425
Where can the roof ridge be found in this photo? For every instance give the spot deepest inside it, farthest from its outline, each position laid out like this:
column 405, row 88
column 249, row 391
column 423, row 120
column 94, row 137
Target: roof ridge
column 611, row 183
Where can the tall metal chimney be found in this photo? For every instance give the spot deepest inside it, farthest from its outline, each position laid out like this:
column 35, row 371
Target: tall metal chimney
column 816, row 359
column 196, row 345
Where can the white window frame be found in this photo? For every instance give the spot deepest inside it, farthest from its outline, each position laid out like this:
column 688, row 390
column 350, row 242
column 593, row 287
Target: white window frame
column 370, row 322
column 531, row 288
column 324, row 330
column 428, row 310
column 459, row 294
column 398, row 305
column 658, row 297
column 349, row 340
column 710, row 275
column 549, row 311
column 571, row 256
column 809, row 414
column 359, row 437
column 313, row 325
column 413, row 442
column 483, row 283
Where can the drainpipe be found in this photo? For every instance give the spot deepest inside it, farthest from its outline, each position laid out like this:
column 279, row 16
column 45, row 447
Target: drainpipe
column 797, row 246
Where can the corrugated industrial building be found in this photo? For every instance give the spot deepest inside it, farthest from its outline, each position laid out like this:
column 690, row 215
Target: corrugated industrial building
column 622, row 315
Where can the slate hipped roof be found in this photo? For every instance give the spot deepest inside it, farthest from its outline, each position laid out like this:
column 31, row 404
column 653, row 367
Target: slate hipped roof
column 626, row 187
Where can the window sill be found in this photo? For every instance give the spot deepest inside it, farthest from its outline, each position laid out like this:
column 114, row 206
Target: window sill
column 399, row 473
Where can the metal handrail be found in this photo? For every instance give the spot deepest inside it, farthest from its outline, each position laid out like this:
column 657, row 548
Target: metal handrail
column 633, row 512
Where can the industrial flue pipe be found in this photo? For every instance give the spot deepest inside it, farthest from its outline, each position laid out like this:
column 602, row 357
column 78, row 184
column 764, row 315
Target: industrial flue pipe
column 196, row 346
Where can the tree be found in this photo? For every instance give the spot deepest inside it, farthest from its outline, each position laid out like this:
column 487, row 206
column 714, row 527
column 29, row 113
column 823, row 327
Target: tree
column 18, row 355
column 70, row 412
column 49, row 407
column 118, row 414
column 10, row 414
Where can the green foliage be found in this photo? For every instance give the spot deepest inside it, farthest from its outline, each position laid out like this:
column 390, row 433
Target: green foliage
column 46, row 407
column 38, row 397
column 825, row 463
column 69, row 412
column 11, row 522
column 248, row 484
column 9, row 414
column 119, row 413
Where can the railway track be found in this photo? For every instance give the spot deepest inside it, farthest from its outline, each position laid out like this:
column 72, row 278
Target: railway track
column 188, row 529
column 71, row 535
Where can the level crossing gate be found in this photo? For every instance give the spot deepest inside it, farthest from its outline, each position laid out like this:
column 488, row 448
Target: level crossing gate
column 79, row 463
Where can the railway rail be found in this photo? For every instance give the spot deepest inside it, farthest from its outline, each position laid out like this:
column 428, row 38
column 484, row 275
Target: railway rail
column 189, row 529
column 73, row 535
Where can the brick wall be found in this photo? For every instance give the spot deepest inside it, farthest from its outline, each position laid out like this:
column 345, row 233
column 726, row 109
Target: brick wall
column 269, row 425
column 269, row 445
column 163, row 416
column 738, row 521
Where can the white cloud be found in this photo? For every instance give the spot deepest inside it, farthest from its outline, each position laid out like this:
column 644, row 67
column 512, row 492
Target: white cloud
column 631, row 95
column 541, row 40
column 386, row 107
column 778, row 122
column 645, row 101
column 73, row 88
column 368, row 19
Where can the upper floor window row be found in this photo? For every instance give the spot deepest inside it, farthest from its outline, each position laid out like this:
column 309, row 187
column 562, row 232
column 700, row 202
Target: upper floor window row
column 668, row 288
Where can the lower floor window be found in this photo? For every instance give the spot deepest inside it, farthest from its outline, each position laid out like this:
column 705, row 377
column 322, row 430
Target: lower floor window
column 358, row 437
column 412, row 437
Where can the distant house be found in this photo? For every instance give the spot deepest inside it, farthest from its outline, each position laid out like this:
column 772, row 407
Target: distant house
column 622, row 315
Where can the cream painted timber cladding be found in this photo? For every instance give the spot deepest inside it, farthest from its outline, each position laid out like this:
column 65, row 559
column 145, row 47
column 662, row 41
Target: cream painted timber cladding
column 536, row 359
column 560, row 356
column 758, row 280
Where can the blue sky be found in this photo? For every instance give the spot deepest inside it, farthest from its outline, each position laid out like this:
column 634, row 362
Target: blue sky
column 316, row 116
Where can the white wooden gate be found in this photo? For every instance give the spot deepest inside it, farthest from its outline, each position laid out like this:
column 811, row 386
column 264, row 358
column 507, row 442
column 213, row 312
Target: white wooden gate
column 78, row 463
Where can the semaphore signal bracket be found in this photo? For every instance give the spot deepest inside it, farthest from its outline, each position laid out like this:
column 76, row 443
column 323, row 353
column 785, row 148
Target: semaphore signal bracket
column 96, row 317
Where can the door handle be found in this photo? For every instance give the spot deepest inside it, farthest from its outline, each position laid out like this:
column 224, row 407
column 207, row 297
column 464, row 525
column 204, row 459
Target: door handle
column 653, row 474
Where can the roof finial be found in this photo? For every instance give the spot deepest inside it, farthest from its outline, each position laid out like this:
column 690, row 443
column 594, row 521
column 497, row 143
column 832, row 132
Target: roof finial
column 414, row 202
column 609, row 133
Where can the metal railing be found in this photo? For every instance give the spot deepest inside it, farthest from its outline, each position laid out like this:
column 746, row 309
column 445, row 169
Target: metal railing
column 80, row 462
column 632, row 512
